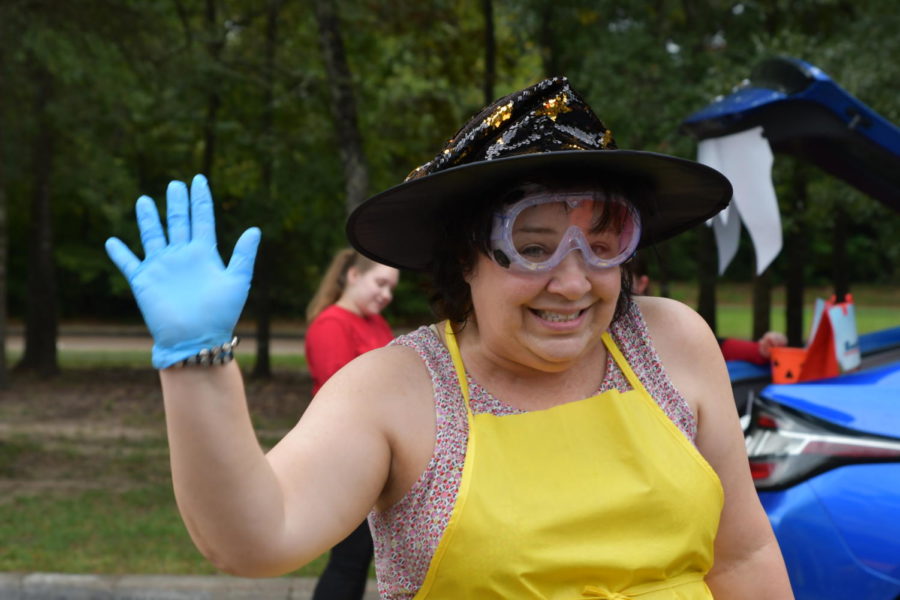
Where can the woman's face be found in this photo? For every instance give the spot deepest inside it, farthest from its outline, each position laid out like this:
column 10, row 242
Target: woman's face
column 548, row 319
column 369, row 292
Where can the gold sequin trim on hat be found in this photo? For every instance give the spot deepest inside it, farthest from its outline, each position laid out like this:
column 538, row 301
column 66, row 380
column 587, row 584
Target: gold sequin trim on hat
column 606, row 139
column 554, row 107
column 500, row 115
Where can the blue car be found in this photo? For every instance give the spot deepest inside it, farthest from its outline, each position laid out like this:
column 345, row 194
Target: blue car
column 825, row 455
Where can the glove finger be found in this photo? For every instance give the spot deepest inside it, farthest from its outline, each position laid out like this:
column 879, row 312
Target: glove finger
column 152, row 237
column 122, row 257
column 244, row 255
column 203, row 221
column 177, row 218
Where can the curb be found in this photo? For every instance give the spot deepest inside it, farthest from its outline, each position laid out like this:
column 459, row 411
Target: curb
column 62, row 586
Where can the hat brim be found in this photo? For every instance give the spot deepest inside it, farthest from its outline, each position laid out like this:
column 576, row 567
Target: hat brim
column 398, row 226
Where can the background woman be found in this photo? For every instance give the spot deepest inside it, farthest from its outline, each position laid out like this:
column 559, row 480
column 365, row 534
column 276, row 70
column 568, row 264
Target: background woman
column 344, row 322
column 550, row 438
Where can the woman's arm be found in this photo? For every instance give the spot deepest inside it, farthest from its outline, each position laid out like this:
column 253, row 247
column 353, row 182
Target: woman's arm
column 253, row 514
column 748, row 562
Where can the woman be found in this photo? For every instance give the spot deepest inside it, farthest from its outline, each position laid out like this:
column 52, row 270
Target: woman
column 512, row 450
column 344, row 315
column 345, row 321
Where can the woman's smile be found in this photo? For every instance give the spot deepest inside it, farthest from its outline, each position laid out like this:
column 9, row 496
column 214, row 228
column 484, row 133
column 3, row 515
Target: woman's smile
column 558, row 316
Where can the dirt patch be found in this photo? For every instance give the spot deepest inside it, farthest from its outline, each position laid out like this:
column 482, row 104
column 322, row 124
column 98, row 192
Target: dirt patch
column 105, row 428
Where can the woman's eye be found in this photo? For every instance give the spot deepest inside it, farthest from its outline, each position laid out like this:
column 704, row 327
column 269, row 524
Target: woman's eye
column 600, row 249
column 605, row 245
column 533, row 251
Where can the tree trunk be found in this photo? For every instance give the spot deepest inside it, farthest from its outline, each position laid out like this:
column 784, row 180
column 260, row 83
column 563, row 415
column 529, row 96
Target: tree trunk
column 707, row 272
column 356, row 171
column 490, row 51
column 4, row 240
column 214, row 45
column 4, row 245
column 762, row 303
column 549, row 51
column 841, row 276
column 795, row 250
column 41, row 317
column 263, row 366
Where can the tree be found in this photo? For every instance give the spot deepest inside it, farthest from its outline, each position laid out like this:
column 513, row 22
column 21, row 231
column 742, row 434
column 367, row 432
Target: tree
column 490, row 51
column 148, row 92
column 4, row 163
column 343, row 104
column 62, row 50
column 263, row 366
column 41, row 316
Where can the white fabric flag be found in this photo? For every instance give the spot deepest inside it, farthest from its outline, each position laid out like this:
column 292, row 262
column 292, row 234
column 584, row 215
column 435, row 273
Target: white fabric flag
column 728, row 236
column 726, row 226
column 746, row 159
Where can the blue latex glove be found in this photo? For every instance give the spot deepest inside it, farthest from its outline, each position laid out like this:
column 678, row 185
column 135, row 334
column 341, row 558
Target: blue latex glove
column 189, row 299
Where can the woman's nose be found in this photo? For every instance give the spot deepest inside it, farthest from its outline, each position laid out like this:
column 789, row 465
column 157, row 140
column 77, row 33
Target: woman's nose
column 570, row 277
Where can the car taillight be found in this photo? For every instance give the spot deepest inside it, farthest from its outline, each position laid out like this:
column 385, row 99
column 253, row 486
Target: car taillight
column 787, row 446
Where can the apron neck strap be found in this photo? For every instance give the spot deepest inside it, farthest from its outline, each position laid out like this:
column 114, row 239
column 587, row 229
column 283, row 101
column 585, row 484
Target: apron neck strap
column 622, row 363
column 456, row 355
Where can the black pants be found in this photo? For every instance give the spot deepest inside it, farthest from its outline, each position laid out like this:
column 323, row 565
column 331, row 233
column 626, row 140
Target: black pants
column 345, row 575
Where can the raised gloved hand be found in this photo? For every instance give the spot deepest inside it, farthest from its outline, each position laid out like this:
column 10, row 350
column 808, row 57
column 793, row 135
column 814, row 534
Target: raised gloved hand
column 189, row 299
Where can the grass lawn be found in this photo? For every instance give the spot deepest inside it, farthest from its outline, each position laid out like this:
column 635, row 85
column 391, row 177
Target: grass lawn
column 84, row 468
column 136, row 530
column 877, row 307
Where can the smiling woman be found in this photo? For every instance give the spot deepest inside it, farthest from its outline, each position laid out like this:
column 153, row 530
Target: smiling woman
column 549, row 437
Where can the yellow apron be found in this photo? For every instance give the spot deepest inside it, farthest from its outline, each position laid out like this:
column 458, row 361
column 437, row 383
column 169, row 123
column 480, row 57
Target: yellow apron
column 599, row 498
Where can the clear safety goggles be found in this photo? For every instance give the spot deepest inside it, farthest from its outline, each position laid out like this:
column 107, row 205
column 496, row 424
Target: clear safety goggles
column 536, row 233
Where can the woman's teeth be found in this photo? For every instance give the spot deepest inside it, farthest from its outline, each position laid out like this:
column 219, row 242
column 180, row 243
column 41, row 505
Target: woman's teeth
column 557, row 317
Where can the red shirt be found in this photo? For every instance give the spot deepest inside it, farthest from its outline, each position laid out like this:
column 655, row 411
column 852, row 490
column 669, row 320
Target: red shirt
column 734, row 349
column 337, row 336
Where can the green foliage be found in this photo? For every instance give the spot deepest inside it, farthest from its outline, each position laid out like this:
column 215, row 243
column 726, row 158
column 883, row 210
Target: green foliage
column 145, row 92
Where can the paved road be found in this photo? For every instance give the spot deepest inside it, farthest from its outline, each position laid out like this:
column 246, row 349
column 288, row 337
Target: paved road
column 285, row 338
column 54, row 586
column 132, row 339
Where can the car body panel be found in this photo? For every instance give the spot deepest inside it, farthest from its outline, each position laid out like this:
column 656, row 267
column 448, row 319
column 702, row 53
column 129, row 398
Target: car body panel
column 803, row 112
column 857, row 496
column 827, row 539
column 868, row 402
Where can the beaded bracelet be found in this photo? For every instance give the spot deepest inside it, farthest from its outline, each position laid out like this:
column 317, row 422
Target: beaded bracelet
column 217, row 355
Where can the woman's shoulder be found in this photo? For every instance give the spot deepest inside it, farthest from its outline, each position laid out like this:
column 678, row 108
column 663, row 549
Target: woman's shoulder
column 422, row 338
column 682, row 337
column 684, row 342
column 668, row 317
column 398, row 354
column 382, row 376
